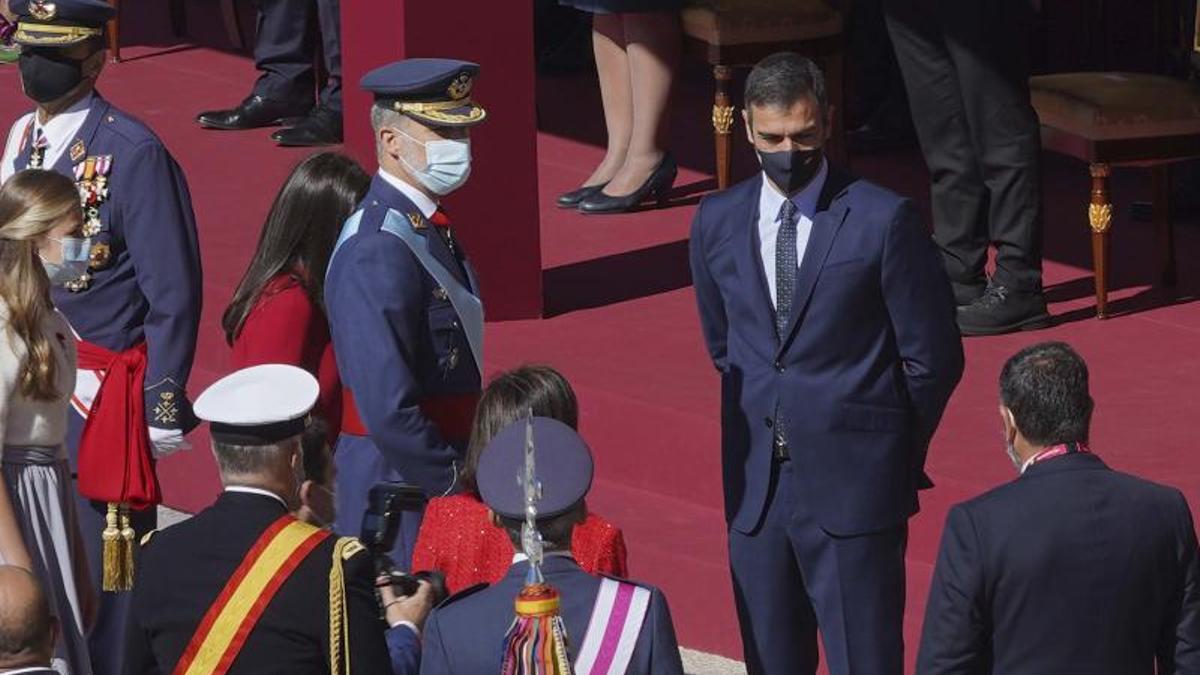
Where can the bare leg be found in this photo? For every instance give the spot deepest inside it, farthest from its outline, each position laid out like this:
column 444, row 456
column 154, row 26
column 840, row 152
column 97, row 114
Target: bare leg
column 652, row 43
column 612, row 66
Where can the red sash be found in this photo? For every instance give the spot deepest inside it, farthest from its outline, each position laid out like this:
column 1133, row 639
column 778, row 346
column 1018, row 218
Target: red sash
column 451, row 414
column 115, row 462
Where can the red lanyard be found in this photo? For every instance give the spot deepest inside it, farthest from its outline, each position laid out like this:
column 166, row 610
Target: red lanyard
column 1057, row 451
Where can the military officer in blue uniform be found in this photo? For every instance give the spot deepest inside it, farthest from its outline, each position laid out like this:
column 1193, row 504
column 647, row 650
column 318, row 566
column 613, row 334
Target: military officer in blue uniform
column 403, row 302
column 612, row 625
column 137, row 307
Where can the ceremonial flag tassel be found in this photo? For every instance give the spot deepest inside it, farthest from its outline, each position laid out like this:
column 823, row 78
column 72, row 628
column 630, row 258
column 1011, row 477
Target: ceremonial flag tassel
column 536, row 643
column 118, row 549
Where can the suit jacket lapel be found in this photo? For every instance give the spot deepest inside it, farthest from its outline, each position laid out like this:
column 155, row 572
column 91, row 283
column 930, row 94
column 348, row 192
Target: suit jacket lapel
column 749, row 256
column 831, row 213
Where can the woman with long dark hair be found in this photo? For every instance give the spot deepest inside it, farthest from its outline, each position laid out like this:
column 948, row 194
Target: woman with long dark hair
column 277, row 314
column 40, row 244
column 457, row 536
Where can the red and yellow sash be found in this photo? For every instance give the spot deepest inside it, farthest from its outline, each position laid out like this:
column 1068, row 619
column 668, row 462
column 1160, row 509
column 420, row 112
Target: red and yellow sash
column 228, row 623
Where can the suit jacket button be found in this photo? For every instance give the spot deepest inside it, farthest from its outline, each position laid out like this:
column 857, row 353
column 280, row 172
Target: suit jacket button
column 779, row 366
column 769, row 422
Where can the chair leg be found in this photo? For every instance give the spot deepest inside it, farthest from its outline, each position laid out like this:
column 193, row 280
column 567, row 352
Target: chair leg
column 1100, row 218
column 1162, row 224
column 722, row 120
column 114, row 32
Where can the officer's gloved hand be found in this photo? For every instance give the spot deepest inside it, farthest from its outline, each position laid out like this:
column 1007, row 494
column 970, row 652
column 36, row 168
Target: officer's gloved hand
column 167, row 441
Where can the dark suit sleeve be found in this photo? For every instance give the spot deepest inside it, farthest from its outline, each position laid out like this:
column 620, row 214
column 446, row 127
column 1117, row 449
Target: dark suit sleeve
column 139, row 657
column 160, row 231
column 664, row 652
column 708, row 296
column 920, row 305
column 1181, row 651
column 404, row 648
column 955, row 636
column 377, row 303
column 433, row 652
column 368, row 648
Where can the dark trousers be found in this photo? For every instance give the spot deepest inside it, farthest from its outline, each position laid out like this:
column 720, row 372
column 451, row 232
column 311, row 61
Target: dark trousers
column 966, row 68
column 791, row 577
column 360, row 466
column 285, row 51
column 106, row 642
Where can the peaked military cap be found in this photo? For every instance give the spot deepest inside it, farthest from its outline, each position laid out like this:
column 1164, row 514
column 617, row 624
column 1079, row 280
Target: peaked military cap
column 59, row 23
column 260, row 405
column 562, row 466
column 436, row 92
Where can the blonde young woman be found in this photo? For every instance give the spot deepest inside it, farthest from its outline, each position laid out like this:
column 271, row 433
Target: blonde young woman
column 40, row 219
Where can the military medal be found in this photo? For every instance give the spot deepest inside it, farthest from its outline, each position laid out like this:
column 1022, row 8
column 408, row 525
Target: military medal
column 99, row 255
column 91, row 179
column 78, row 150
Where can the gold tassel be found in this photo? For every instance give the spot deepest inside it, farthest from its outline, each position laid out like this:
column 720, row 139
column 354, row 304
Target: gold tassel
column 113, row 560
column 127, row 537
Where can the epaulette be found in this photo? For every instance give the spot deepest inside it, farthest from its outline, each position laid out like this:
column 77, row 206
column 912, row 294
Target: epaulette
column 146, row 537
column 469, row 590
column 351, row 547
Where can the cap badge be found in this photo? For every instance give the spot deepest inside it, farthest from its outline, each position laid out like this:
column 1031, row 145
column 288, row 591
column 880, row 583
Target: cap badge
column 418, row 223
column 460, row 87
column 42, row 10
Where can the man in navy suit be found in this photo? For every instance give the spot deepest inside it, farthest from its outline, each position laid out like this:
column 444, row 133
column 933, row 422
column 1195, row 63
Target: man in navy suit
column 27, row 628
column 1072, row 567
column 831, row 321
column 612, row 625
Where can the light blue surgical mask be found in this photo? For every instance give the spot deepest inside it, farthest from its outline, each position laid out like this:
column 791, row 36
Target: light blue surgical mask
column 75, row 255
column 447, row 164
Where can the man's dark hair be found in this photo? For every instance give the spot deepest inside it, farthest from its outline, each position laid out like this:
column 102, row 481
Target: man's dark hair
column 556, row 531
column 1046, row 388
column 784, row 78
column 313, row 451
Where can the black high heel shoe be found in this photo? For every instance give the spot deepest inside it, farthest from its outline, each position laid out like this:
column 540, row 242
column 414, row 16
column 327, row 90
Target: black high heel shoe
column 570, row 200
column 657, row 185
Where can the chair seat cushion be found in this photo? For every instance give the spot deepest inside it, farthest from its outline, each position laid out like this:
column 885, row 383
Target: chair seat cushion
column 737, row 22
column 1107, row 106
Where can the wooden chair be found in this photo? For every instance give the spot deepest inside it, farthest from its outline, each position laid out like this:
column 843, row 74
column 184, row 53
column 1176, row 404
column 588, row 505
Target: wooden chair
column 738, row 33
column 1122, row 119
column 178, row 25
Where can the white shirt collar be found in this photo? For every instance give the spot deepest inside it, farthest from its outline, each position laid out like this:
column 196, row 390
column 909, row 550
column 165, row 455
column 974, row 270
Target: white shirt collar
column 30, row 669
column 61, row 129
column 422, row 202
column 521, row 557
column 771, row 199
column 256, row 491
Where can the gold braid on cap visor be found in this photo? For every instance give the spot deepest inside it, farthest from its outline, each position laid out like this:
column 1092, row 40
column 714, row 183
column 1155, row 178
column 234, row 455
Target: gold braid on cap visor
column 57, row 34
column 435, row 110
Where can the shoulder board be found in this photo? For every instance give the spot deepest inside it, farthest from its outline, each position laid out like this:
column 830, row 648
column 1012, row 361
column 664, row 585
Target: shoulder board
column 469, row 590
column 350, row 547
column 146, row 537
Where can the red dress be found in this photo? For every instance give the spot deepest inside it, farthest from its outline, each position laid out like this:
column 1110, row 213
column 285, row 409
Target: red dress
column 458, row 539
column 284, row 326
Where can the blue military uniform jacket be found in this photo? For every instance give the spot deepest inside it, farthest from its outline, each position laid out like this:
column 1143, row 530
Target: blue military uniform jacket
column 466, row 633
column 406, row 322
column 145, row 275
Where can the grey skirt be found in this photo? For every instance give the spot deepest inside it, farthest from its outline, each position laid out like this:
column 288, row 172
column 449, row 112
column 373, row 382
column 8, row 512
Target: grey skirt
column 39, row 486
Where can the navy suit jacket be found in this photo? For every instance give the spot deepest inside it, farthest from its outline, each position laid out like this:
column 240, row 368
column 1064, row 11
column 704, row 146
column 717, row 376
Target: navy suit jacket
column 1071, row 568
column 871, row 355
column 466, row 633
column 149, row 284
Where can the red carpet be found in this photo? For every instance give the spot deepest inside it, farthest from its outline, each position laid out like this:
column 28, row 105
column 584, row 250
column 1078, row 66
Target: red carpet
column 623, row 325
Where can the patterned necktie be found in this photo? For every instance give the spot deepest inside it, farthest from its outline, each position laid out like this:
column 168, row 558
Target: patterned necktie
column 38, row 154
column 785, row 266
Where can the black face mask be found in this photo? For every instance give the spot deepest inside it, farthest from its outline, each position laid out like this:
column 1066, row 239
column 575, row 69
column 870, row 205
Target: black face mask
column 47, row 75
column 791, row 170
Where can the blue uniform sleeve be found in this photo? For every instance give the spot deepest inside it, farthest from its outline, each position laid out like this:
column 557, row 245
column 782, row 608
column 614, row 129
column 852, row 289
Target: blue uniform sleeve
column 920, row 305
column 160, row 232
column 376, row 301
column 708, row 296
column 434, row 660
column 404, row 648
column 955, row 636
column 664, row 652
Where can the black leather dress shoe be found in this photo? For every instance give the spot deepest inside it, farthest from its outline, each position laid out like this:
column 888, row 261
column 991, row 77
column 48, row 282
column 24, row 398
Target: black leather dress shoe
column 322, row 127
column 252, row 113
column 570, row 200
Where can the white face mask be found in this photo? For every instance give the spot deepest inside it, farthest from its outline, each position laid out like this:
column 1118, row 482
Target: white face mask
column 447, row 164
column 75, row 255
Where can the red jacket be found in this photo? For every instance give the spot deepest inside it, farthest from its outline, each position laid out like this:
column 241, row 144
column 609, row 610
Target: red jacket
column 457, row 539
column 284, row 326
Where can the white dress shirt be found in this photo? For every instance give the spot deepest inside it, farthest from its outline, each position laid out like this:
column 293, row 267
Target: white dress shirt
column 256, row 491
column 770, row 200
column 60, row 131
column 422, row 202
